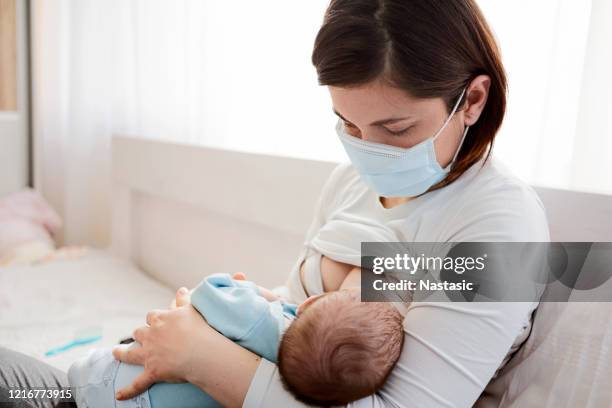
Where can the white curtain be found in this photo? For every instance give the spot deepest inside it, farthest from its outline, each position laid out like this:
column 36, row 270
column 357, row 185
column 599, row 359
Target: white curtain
column 237, row 75
column 558, row 56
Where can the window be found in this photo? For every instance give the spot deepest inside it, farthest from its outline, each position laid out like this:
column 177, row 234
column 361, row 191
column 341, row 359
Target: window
column 8, row 56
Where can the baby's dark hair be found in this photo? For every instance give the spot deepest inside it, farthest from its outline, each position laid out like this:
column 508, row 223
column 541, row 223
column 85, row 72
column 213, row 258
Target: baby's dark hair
column 340, row 349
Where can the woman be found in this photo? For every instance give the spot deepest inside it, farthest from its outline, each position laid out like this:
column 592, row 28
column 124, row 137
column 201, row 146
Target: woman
column 420, row 90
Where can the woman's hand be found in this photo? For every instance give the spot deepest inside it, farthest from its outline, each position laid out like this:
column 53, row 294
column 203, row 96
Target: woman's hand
column 179, row 346
column 168, row 346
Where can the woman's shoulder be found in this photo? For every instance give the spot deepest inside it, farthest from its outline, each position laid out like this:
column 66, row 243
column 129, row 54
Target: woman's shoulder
column 342, row 181
column 501, row 205
column 495, row 181
column 343, row 175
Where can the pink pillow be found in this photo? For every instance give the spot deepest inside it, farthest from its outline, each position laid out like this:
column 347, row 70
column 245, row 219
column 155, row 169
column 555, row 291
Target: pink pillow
column 25, row 216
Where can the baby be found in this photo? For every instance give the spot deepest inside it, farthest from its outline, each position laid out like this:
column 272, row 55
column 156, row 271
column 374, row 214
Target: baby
column 339, row 349
column 336, row 349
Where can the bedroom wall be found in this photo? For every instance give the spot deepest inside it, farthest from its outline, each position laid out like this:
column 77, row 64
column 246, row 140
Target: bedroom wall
column 13, row 96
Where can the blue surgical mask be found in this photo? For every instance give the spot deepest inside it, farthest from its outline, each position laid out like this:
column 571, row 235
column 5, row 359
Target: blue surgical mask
column 395, row 171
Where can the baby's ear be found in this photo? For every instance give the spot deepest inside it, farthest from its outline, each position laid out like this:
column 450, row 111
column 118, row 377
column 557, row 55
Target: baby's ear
column 307, row 303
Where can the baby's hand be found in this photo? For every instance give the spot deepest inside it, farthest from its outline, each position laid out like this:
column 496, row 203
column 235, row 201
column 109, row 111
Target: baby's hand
column 239, row 276
column 268, row 294
column 183, row 297
column 265, row 293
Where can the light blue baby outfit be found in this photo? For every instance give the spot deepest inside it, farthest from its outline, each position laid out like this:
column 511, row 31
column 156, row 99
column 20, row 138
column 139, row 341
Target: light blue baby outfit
column 232, row 307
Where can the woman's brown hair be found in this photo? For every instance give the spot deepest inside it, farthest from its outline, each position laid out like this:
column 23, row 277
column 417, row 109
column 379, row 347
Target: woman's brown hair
column 429, row 48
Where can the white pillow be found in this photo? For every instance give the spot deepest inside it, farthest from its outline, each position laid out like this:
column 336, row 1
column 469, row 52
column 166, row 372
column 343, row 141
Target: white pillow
column 565, row 362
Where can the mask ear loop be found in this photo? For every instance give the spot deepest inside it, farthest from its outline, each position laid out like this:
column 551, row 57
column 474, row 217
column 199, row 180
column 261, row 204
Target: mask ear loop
column 460, row 145
column 451, row 115
column 464, row 132
column 446, row 123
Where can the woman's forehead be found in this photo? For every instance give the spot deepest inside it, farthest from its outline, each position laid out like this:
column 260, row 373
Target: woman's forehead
column 374, row 102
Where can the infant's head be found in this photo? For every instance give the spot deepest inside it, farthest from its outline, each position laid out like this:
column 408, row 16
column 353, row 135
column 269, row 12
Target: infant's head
column 340, row 349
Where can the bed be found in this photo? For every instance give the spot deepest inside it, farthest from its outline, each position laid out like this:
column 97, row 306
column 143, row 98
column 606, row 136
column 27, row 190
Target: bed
column 175, row 220
column 43, row 306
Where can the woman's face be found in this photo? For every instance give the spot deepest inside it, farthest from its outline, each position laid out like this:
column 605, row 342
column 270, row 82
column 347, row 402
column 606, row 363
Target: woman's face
column 382, row 114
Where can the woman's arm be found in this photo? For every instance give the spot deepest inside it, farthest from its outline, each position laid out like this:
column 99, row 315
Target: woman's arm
column 226, row 379
column 450, row 352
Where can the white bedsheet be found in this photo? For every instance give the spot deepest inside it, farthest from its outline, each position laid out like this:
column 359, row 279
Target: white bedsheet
column 43, row 306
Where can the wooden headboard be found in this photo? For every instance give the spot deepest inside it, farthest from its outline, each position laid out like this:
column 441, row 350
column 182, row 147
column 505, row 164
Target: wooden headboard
column 181, row 212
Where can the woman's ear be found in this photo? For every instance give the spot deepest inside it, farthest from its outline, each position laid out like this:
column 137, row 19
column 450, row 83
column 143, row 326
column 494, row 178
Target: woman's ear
column 476, row 98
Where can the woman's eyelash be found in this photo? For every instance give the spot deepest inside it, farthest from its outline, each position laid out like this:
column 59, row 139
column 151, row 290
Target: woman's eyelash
column 399, row 133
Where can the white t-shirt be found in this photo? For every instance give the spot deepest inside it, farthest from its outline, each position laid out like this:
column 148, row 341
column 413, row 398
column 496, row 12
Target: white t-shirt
column 451, row 350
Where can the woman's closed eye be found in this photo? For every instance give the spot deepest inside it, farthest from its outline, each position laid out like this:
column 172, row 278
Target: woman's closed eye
column 398, row 133
column 351, row 126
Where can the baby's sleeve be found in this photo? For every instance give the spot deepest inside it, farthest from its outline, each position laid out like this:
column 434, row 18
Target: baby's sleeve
column 236, row 310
